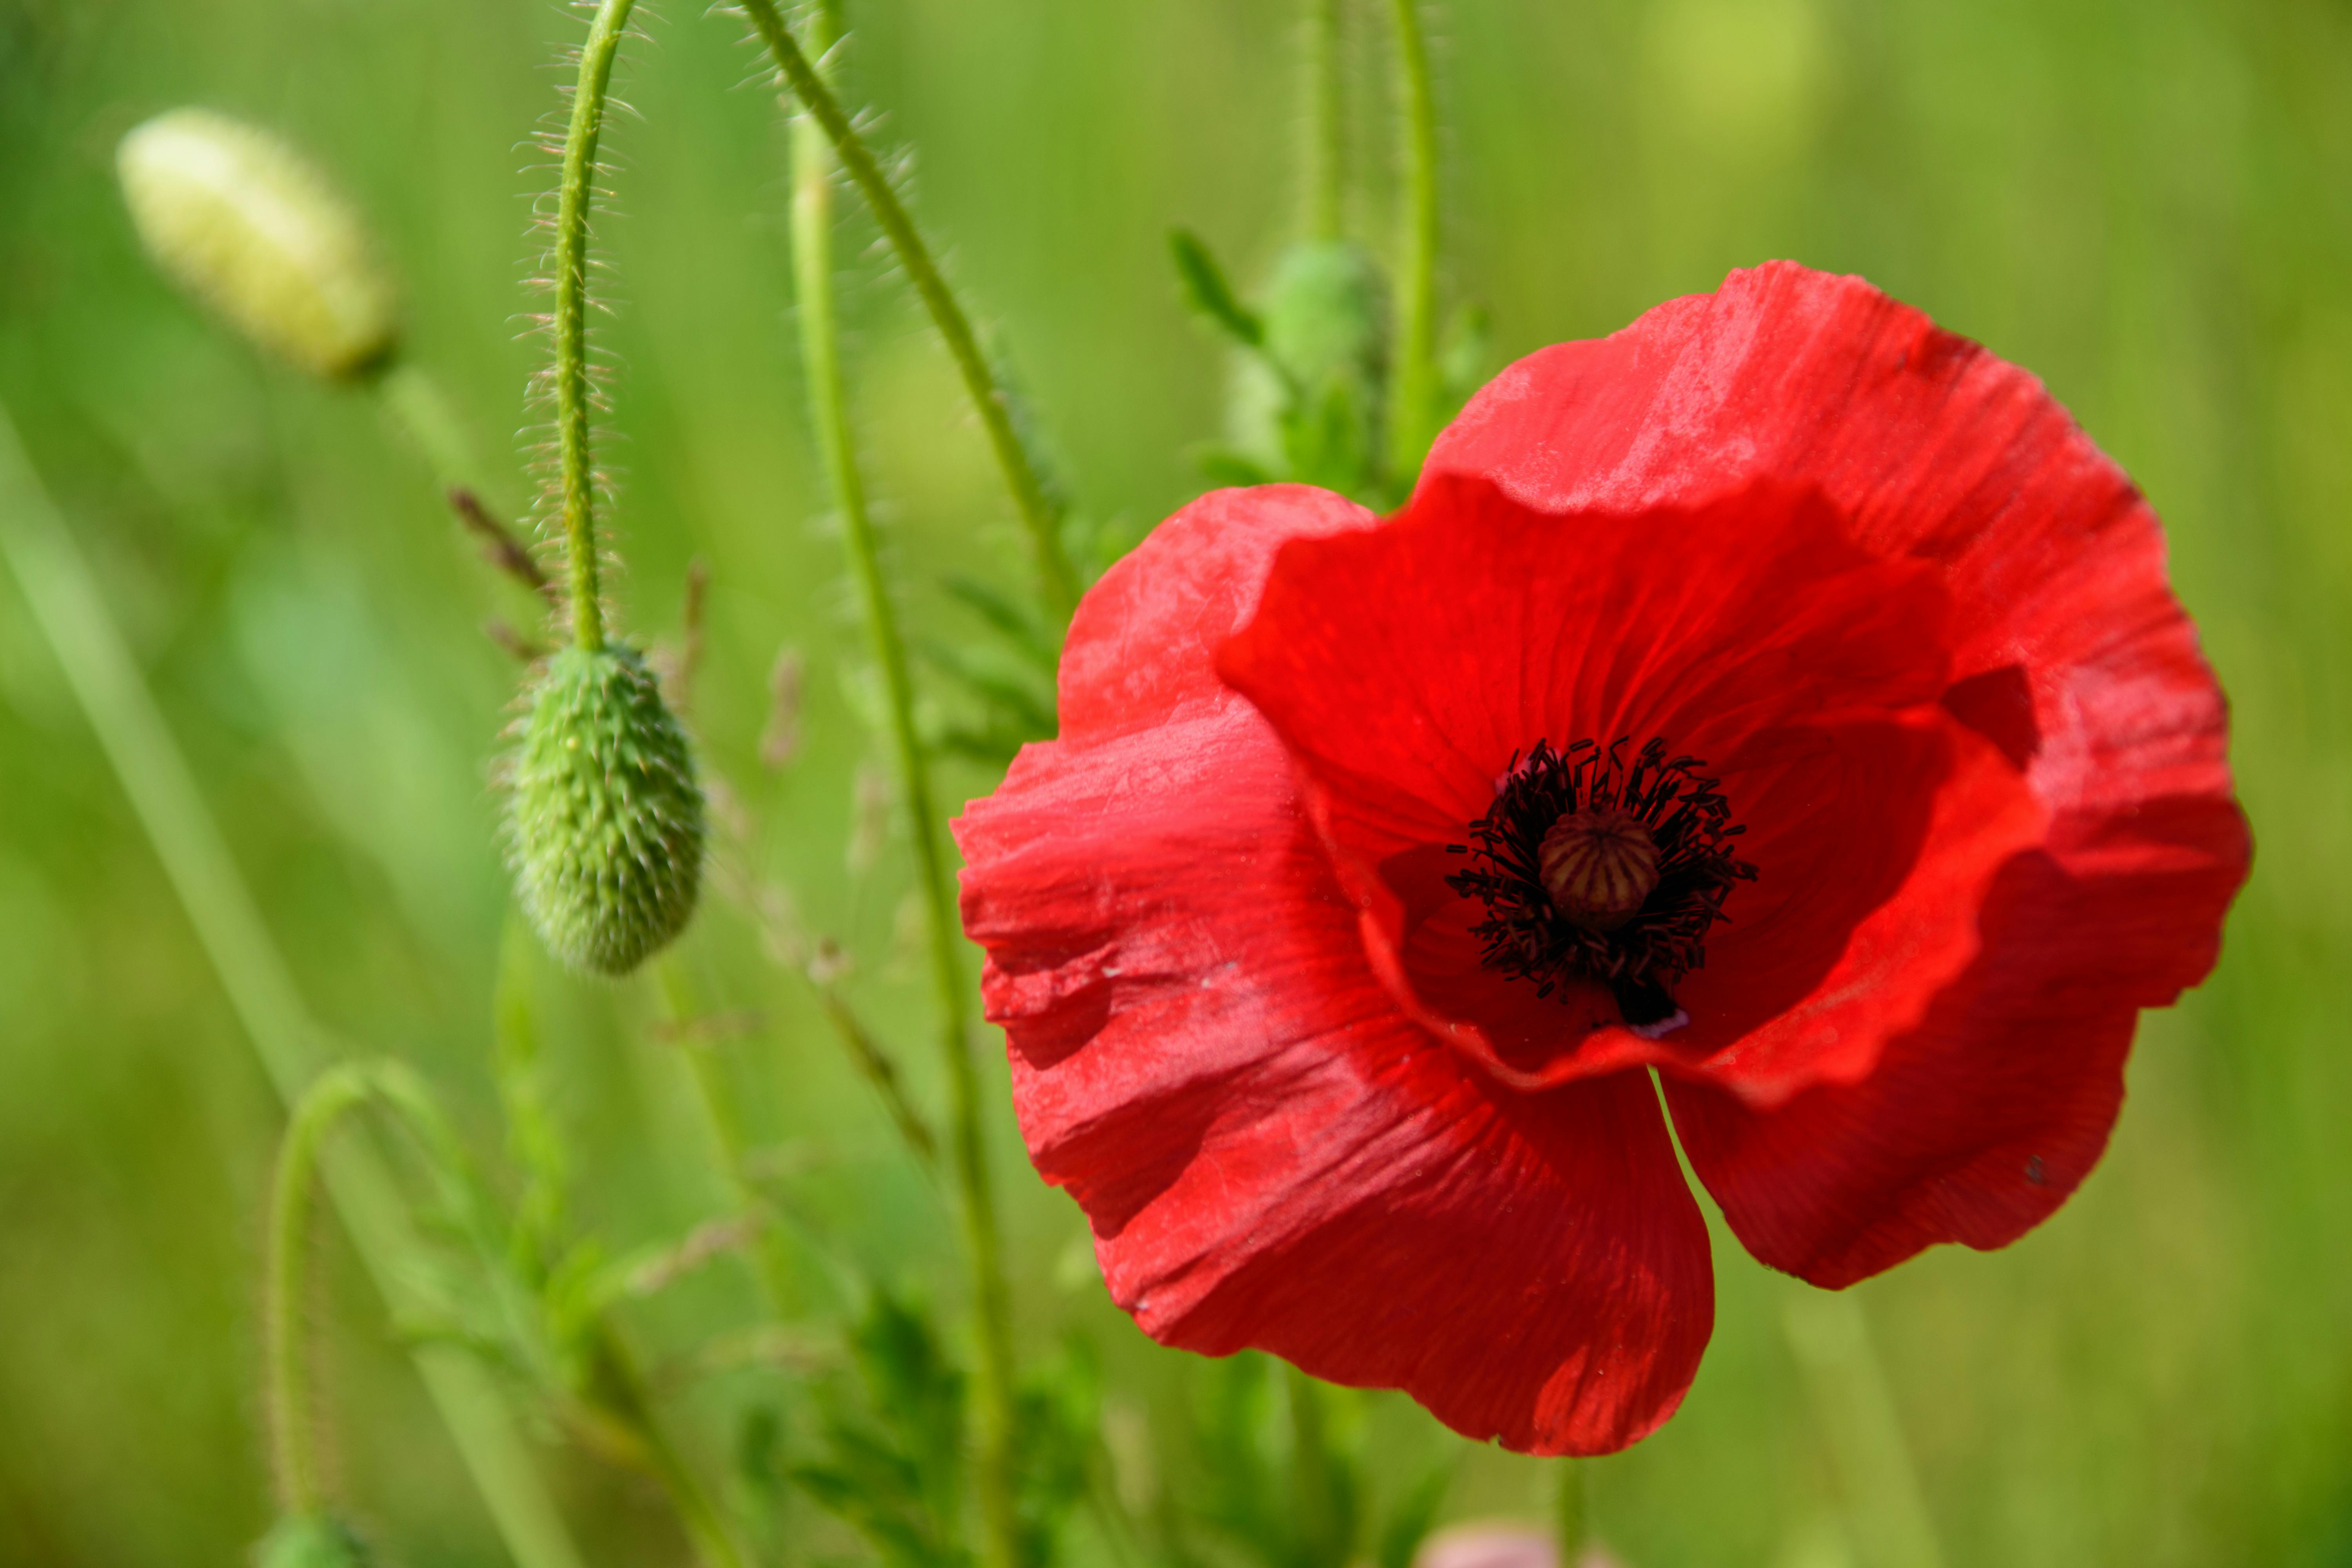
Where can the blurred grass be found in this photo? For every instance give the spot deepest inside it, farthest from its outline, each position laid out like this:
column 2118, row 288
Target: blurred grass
column 2150, row 203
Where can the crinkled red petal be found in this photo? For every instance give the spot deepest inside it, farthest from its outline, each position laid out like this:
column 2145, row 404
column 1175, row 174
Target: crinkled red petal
column 2069, row 656
column 1406, row 667
column 1269, row 1152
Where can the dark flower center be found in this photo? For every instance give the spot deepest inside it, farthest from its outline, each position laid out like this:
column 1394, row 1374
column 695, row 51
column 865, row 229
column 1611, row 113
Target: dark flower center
column 1594, row 868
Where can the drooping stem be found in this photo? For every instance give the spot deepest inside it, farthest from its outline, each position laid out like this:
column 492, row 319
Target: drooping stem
column 1041, row 513
column 291, row 1421
column 1326, row 172
column 575, row 196
column 73, row 617
column 814, row 141
column 1413, row 394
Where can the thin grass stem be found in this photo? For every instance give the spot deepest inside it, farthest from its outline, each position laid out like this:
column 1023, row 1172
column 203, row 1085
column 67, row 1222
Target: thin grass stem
column 1041, row 513
column 818, row 131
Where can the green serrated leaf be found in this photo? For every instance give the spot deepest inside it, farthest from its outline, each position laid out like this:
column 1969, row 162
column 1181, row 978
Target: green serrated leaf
column 1206, row 288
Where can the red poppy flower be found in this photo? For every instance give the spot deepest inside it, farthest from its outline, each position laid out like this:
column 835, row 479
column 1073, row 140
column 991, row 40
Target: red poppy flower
column 1781, row 694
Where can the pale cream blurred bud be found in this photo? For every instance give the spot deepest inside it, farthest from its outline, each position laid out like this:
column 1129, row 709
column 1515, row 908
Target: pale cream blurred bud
column 1501, row 1546
column 248, row 225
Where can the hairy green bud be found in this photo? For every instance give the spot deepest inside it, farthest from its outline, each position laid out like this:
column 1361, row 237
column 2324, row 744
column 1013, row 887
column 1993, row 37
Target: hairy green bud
column 246, row 225
column 605, row 821
column 1326, row 313
column 311, row 1540
column 1309, row 405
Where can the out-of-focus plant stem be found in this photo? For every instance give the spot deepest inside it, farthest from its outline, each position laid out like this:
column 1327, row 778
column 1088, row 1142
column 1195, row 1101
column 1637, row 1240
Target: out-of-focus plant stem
column 1326, row 174
column 818, row 131
column 1574, row 1524
column 575, row 196
column 1887, row 1513
column 291, row 1420
column 1040, row 513
column 1412, row 399
column 73, row 617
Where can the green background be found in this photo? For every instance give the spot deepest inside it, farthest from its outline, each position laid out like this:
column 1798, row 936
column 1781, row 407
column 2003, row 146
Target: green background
column 2147, row 202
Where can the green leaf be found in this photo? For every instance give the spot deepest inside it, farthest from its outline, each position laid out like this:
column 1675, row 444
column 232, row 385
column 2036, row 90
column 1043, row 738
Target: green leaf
column 1206, row 289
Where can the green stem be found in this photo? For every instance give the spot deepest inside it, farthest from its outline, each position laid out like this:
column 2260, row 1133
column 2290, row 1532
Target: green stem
column 1575, row 1524
column 65, row 601
column 617, row 1394
column 574, row 199
column 819, row 359
column 1315, row 1484
column 414, row 402
column 1413, row 397
column 1887, row 1513
column 1326, row 121
column 291, row 1420
column 1040, row 513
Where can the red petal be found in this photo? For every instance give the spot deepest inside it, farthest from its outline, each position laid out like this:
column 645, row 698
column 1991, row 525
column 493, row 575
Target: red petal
column 2069, row 646
column 1270, row 1153
column 2071, row 656
column 1973, row 1127
column 1407, row 666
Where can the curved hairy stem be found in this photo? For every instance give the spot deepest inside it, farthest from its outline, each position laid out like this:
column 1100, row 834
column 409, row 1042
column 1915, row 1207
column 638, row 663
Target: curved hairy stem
column 573, row 197
column 814, row 140
column 291, row 1421
column 1413, row 397
column 1041, row 514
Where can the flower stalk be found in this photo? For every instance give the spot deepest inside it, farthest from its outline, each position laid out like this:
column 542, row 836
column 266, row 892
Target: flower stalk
column 1413, row 397
column 818, row 132
column 575, row 196
column 1041, row 512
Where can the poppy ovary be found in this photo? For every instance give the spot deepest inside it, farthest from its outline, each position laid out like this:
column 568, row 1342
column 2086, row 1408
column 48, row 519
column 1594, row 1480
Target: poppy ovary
column 1598, row 867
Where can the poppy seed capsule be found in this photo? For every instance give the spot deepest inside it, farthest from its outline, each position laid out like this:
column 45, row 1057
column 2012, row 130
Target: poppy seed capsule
column 1598, row 867
column 246, row 225
column 606, row 820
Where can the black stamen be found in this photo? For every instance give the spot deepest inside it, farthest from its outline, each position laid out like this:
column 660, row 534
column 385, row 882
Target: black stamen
column 1642, row 960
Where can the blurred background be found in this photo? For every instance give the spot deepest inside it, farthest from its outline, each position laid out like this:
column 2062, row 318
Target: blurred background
column 2147, row 203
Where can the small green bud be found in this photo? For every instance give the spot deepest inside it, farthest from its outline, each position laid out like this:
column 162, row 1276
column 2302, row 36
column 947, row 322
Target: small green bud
column 605, row 821
column 311, row 1540
column 246, row 225
column 1317, row 417
column 1327, row 314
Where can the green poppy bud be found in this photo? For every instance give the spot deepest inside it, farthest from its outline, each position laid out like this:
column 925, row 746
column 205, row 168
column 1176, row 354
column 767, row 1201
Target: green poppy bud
column 246, row 225
column 1327, row 314
column 605, row 821
column 1325, row 319
column 311, row 1540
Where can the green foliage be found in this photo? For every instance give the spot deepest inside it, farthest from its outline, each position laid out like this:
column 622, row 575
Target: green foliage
column 1281, row 1478
column 891, row 1443
column 1208, row 292
column 606, row 820
column 891, row 1463
column 311, row 1540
